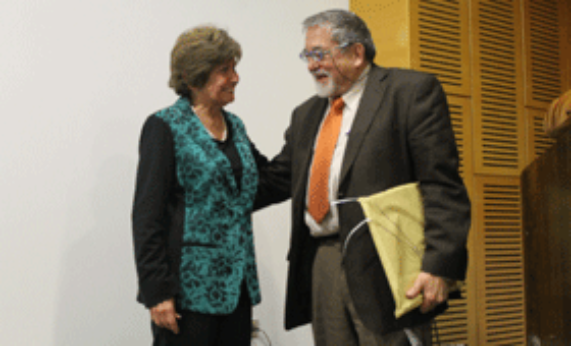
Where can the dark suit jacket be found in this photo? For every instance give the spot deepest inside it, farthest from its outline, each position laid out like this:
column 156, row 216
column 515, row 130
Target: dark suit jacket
column 401, row 133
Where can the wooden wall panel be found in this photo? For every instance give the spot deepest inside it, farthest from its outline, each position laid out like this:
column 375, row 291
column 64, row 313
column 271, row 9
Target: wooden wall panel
column 498, row 92
column 389, row 22
column 439, row 37
column 454, row 325
column 461, row 117
column 499, row 246
column 544, row 39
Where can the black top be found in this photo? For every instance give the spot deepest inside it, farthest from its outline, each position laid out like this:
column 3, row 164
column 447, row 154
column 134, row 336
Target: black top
column 229, row 149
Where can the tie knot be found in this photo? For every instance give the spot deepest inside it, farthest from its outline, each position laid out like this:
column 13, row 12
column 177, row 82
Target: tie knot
column 337, row 104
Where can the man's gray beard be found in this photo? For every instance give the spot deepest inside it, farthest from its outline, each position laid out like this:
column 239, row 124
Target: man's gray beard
column 325, row 90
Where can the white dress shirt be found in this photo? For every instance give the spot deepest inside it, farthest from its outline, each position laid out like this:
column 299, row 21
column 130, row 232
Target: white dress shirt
column 330, row 224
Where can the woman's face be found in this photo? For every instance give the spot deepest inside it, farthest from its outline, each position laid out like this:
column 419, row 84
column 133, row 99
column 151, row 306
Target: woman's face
column 219, row 89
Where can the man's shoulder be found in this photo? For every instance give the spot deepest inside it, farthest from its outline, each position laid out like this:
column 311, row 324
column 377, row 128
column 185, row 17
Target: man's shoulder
column 310, row 103
column 404, row 75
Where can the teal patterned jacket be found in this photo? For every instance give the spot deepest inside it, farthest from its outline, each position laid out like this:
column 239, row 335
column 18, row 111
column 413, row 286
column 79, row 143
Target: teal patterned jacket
column 208, row 249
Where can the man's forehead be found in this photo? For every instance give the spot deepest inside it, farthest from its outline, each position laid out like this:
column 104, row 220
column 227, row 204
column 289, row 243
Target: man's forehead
column 318, row 36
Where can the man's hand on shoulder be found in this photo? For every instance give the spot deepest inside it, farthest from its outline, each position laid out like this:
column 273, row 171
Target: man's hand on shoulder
column 434, row 289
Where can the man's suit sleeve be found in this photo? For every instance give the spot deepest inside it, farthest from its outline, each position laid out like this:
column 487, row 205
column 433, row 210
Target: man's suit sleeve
column 435, row 163
column 275, row 176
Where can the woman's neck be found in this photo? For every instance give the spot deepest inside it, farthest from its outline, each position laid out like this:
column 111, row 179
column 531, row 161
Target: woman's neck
column 212, row 119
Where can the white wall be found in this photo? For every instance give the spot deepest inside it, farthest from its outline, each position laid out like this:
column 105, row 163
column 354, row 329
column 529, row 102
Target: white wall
column 77, row 80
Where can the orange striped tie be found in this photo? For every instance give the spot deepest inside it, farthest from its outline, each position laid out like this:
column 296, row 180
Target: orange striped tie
column 318, row 204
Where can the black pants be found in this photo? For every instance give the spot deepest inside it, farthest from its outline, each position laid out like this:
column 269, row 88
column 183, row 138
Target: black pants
column 198, row 329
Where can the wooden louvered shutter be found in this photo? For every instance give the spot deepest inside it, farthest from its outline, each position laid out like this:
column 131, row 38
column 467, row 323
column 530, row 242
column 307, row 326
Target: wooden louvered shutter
column 501, row 301
column 543, row 41
column 454, row 325
column 461, row 117
column 440, row 46
column 544, row 67
column 498, row 87
column 538, row 142
column 439, row 37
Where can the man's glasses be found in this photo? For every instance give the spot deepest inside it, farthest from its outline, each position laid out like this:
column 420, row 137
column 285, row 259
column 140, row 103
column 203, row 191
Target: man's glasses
column 318, row 54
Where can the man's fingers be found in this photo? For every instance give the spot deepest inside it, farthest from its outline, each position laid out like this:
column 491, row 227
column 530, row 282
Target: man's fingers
column 415, row 289
column 435, row 293
column 434, row 290
column 443, row 294
column 428, row 301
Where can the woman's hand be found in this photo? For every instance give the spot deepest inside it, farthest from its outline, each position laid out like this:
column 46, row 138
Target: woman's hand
column 164, row 315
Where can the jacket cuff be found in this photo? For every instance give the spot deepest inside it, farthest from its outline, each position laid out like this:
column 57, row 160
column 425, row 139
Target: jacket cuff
column 153, row 293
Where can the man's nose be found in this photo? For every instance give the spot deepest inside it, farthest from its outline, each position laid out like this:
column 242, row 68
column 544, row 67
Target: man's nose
column 312, row 64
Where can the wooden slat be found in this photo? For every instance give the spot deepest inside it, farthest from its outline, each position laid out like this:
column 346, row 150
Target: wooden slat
column 501, row 296
column 461, row 115
column 537, row 141
column 544, row 61
column 439, row 38
column 453, row 326
column 498, row 91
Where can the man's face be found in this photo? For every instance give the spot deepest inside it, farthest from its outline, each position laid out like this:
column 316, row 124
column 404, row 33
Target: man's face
column 335, row 72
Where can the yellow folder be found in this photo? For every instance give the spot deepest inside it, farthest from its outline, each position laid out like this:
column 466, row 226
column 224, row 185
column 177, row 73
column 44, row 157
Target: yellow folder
column 396, row 222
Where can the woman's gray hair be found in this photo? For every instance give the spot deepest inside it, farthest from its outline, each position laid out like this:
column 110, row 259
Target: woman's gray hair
column 346, row 29
column 195, row 55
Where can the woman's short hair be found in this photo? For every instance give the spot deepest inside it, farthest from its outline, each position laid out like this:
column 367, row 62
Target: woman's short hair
column 196, row 53
column 346, row 29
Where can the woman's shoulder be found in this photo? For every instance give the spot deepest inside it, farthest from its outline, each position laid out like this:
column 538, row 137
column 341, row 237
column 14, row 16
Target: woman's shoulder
column 175, row 111
column 155, row 122
column 155, row 129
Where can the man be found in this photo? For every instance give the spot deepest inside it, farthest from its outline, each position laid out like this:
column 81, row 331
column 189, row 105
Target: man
column 373, row 129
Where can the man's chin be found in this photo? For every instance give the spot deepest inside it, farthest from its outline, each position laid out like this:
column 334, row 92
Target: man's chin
column 324, row 90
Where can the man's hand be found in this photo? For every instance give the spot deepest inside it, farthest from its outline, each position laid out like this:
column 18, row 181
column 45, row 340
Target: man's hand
column 434, row 289
column 165, row 316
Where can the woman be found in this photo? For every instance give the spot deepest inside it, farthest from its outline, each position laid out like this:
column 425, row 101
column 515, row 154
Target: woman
column 196, row 183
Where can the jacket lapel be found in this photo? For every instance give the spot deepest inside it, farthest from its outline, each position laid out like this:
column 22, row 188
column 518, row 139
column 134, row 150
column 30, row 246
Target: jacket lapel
column 200, row 136
column 370, row 102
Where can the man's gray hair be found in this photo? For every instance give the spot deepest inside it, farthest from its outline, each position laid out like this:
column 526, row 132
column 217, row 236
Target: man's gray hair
column 346, row 29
